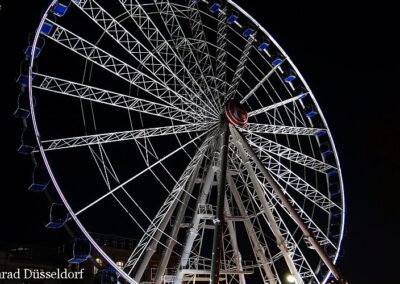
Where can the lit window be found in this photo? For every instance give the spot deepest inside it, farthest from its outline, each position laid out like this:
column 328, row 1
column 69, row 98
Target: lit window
column 120, row 264
column 99, row 261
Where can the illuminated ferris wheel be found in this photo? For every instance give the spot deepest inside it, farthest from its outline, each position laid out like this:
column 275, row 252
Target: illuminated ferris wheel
column 184, row 124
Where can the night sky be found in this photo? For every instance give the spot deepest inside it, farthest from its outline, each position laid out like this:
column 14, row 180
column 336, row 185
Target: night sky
column 348, row 56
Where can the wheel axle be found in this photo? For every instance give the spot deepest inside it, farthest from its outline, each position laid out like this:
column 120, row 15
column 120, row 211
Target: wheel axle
column 236, row 113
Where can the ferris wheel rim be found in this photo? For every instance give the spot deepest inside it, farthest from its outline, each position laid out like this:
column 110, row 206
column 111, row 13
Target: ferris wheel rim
column 54, row 179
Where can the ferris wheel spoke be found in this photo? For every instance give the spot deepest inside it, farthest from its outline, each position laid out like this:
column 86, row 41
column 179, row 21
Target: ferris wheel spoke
column 133, row 46
column 160, row 45
column 165, row 212
column 221, row 56
column 261, row 82
column 107, row 170
column 72, row 142
column 148, row 168
column 237, row 76
column 266, row 145
column 93, row 94
column 119, row 68
column 202, row 49
column 320, row 236
column 281, row 129
column 276, row 105
column 285, row 175
column 182, row 44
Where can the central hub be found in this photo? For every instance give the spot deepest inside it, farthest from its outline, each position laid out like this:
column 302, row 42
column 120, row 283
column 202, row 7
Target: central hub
column 236, row 113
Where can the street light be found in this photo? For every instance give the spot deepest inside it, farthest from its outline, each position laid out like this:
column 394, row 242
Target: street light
column 291, row 279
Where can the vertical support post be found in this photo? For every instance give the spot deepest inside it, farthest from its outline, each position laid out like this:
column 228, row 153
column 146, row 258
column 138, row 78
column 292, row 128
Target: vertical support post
column 162, row 266
column 276, row 188
column 234, row 243
column 220, row 220
column 258, row 249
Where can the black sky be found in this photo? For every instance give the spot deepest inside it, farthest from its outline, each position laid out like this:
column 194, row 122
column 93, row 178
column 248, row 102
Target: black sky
column 349, row 57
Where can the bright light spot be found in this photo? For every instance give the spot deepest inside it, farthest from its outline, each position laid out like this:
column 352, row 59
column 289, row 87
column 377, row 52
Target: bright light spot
column 291, row 279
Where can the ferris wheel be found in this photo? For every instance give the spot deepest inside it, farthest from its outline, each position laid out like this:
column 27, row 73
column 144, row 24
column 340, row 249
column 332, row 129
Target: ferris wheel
column 185, row 125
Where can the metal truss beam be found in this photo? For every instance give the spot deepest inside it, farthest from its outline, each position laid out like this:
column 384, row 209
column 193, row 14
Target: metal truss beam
column 93, row 94
column 295, row 182
column 219, row 221
column 280, row 129
column 237, row 76
column 261, row 82
column 65, row 143
column 279, row 150
column 185, row 49
column 276, row 105
column 221, row 57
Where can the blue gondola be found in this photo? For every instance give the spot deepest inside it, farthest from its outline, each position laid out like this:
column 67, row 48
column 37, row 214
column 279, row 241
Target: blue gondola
column 289, row 76
column 36, row 53
column 58, row 216
column 335, row 229
column 80, row 251
column 248, row 32
column 334, row 189
column 40, row 180
column 320, row 133
column 325, row 149
column 263, row 46
column 46, row 28
column 28, row 142
column 23, row 78
column 232, row 19
column 332, row 172
column 23, row 107
column 108, row 275
column 330, row 251
column 301, row 92
column 310, row 111
column 276, row 60
column 336, row 213
column 323, row 271
column 214, row 8
column 60, row 9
